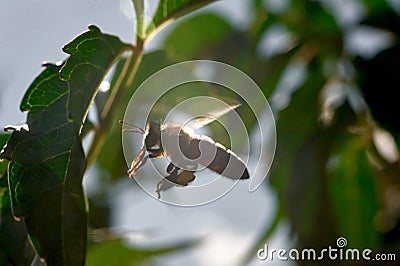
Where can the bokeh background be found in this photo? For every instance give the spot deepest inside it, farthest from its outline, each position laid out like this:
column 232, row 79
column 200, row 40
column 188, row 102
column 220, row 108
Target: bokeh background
column 329, row 69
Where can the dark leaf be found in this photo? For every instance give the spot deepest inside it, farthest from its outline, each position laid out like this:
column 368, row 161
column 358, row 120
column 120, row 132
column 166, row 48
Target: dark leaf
column 119, row 252
column 376, row 7
column 378, row 79
column 15, row 248
column 47, row 159
column 307, row 203
column 45, row 173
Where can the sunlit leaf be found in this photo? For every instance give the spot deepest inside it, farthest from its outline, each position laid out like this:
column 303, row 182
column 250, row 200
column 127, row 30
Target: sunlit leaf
column 3, row 139
column 92, row 54
column 169, row 10
column 3, row 163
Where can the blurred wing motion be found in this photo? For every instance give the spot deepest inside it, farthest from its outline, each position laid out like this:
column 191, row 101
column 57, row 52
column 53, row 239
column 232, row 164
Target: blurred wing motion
column 213, row 115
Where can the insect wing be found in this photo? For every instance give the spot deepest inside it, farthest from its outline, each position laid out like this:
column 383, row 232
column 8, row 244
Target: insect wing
column 217, row 112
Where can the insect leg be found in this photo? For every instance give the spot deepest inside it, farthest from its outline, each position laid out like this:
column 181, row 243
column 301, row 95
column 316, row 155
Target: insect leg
column 163, row 185
column 156, row 153
column 168, row 181
column 137, row 162
column 171, row 167
column 174, row 179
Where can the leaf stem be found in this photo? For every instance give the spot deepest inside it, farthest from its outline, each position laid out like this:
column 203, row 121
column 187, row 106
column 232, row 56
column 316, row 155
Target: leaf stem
column 121, row 89
column 140, row 19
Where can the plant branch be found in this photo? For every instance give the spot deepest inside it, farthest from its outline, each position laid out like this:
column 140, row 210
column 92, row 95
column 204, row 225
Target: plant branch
column 121, row 89
column 140, row 19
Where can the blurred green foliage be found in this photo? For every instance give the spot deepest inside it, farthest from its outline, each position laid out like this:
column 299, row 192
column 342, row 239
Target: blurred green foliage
column 330, row 178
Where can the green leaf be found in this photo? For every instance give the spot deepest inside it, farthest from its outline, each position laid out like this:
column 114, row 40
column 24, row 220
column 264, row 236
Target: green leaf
column 307, row 204
column 169, row 10
column 197, row 33
column 45, row 172
column 303, row 102
column 3, row 139
column 374, row 7
column 299, row 170
column 92, row 54
column 47, row 159
column 14, row 245
column 4, row 195
column 353, row 190
column 3, row 163
column 118, row 252
column 320, row 21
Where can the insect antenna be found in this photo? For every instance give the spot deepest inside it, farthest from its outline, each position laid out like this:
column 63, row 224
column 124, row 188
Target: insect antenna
column 132, row 127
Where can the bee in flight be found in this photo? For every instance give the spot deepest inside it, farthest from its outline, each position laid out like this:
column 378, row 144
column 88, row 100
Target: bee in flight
column 186, row 150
